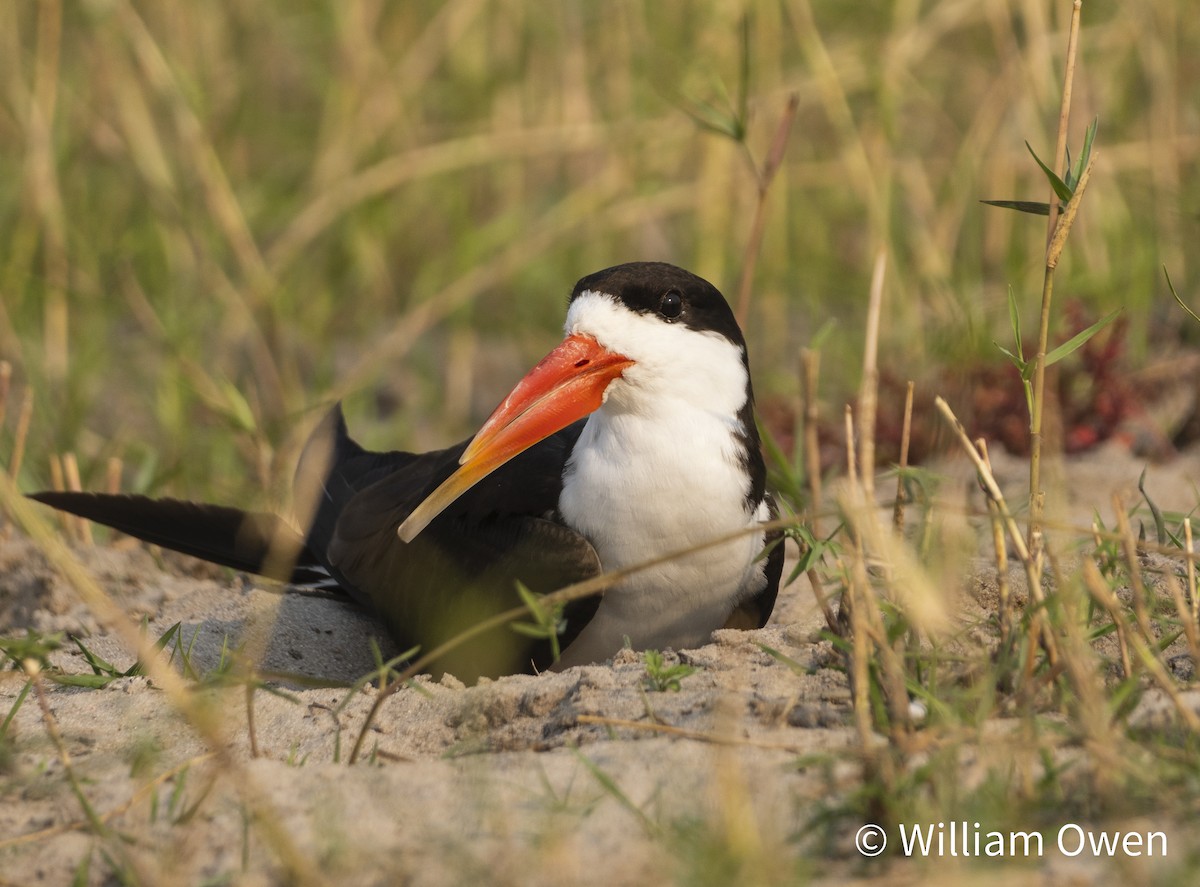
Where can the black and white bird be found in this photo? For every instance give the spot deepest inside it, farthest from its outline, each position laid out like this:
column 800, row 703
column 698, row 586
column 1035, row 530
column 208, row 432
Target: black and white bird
column 631, row 440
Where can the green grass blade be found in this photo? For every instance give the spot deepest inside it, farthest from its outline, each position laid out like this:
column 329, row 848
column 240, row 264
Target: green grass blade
column 16, row 706
column 1182, row 304
column 1160, row 523
column 97, row 663
column 1074, row 171
column 1060, row 187
column 610, row 785
column 1076, row 341
column 1014, row 319
column 1016, row 361
column 785, row 660
column 138, row 668
column 1033, row 207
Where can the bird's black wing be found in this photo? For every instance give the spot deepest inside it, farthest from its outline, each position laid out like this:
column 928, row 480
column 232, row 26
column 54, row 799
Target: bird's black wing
column 465, row 566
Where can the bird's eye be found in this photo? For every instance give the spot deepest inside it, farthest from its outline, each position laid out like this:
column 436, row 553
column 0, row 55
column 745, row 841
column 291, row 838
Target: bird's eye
column 670, row 305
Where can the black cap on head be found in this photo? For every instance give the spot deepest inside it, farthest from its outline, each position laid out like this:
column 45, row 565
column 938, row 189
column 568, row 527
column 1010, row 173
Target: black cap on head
column 668, row 292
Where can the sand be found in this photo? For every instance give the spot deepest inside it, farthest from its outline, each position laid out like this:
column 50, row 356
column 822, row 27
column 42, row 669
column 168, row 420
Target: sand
column 582, row 777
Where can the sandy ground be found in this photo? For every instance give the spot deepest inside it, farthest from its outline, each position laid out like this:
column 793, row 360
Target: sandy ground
column 523, row 780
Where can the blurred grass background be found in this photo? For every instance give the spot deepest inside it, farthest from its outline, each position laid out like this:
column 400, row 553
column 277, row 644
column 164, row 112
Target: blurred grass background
column 217, row 217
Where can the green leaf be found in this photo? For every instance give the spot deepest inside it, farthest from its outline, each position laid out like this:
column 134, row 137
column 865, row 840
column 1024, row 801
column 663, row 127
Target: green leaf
column 32, row 646
column 1182, row 304
column 1073, row 344
column 1160, row 523
column 88, row 681
column 16, row 706
column 1016, row 361
column 1166, row 640
column 812, row 549
column 1022, row 206
column 82, row 871
column 547, row 622
column 709, row 117
column 786, row 479
column 730, row 118
column 1074, row 172
column 660, row 677
column 1060, row 187
column 610, row 785
column 139, row 668
column 1014, row 319
column 98, row 664
column 792, row 665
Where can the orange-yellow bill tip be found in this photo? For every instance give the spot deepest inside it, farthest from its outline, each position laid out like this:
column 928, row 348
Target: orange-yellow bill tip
column 566, row 385
column 435, row 503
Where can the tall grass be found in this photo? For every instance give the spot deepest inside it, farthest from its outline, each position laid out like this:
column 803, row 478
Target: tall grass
column 215, row 218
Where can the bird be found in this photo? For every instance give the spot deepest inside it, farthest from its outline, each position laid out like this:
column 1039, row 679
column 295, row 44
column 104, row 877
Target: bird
column 633, row 439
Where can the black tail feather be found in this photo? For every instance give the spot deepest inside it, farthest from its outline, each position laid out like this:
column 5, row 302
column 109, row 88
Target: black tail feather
column 227, row 536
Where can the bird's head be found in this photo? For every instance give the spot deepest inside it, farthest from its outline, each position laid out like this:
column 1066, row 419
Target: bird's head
column 637, row 336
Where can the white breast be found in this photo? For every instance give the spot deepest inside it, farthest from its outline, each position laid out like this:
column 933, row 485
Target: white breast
column 659, row 469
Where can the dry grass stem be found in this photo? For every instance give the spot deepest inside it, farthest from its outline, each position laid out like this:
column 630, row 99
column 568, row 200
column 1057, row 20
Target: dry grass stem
column 990, row 487
column 1129, row 548
column 810, row 364
column 1064, row 112
column 1033, row 573
column 82, row 527
column 1191, row 568
column 1101, row 593
column 251, row 732
column 1055, row 238
column 1001, row 552
column 854, row 599
column 44, row 188
column 1191, row 559
column 905, row 437
column 21, row 434
column 1191, row 631
column 759, row 226
column 5, row 387
column 851, row 465
column 817, row 584
column 868, row 395
column 112, row 475
column 1054, row 253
